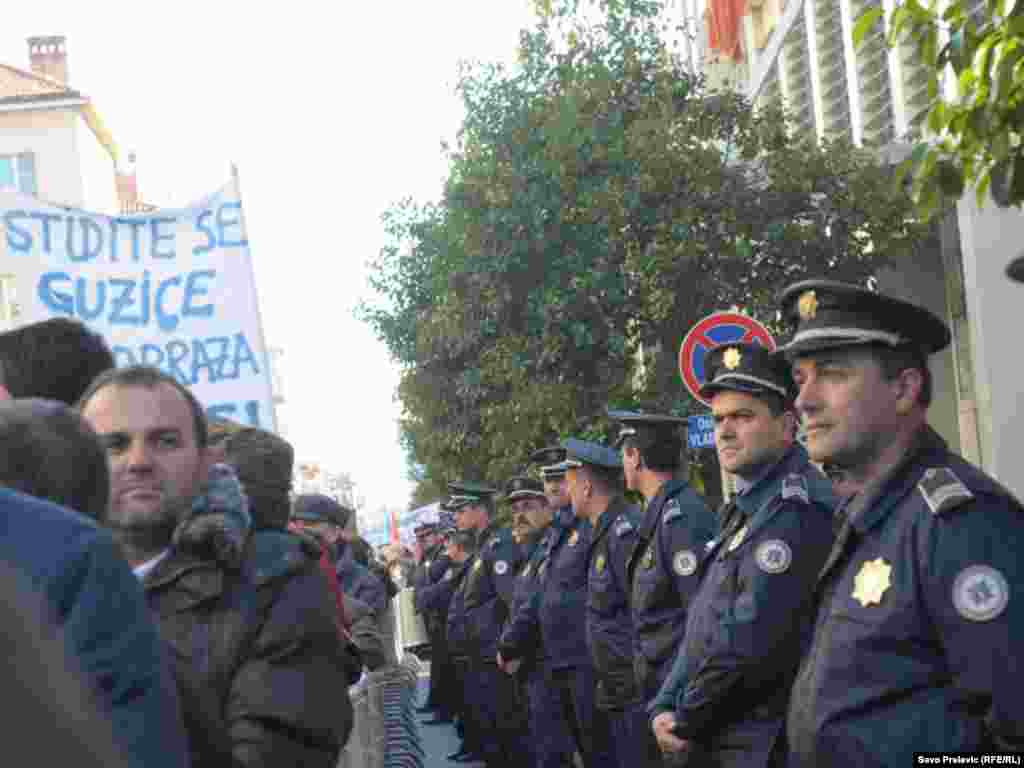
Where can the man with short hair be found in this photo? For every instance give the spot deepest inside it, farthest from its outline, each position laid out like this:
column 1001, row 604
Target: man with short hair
column 47, row 451
column 751, row 618
column 257, row 655
column 96, row 602
column 673, row 537
column 487, row 594
column 53, row 359
column 594, row 475
column 919, row 611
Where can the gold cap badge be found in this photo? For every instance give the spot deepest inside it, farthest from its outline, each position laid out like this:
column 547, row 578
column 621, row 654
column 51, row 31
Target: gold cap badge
column 871, row 582
column 732, row 358
column 807, row 306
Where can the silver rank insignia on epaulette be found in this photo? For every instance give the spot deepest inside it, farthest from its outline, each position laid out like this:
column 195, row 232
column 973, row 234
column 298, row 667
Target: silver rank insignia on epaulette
column 672, row 511
column 794, row 487
column 623, row 527
column 942, row 490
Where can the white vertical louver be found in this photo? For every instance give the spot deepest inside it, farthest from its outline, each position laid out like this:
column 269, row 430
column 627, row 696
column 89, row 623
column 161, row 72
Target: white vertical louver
column 828, row 35
column 795, row 61
column 875, row 96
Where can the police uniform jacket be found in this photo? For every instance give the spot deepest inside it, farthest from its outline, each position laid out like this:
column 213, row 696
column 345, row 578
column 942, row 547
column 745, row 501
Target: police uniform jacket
column 752, row 616
column 563, row 606
column 487, row 590
column 521, row 636
column 609, row 625
column 673, row 539
column 917, row 642
column 458, row 626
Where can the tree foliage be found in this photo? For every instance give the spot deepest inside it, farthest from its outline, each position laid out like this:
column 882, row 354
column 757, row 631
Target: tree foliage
column 600, row 200
column 975, row 135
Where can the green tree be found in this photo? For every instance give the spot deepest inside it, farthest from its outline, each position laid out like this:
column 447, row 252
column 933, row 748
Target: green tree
column 600, row 201
column 974, row 137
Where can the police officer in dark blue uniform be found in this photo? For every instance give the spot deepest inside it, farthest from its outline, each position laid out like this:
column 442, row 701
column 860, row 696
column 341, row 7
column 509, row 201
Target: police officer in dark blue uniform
column 487, row 595
column 520, row 651
column 596, row 489
column 432, row 568
column 751, row 618
column 563, row 613
column 673, row 539
column 916, row 646
column 461, row 548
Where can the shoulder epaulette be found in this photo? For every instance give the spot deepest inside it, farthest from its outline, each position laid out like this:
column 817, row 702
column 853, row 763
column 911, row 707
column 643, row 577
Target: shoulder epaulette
column 672, row 511
column 623, row 527
column 942, row 490
column 794, row 488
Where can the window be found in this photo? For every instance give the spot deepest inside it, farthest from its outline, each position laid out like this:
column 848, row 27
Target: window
column 18, row 172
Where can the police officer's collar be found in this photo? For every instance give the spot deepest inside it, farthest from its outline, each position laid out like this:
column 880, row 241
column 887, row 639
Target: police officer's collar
column 758, row 490
column 652, row 512
column 872, row 504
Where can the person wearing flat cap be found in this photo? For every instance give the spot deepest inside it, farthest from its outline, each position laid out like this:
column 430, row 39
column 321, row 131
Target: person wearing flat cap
column 486, row 592
column 920, row 605
column 672, row 539
column 751, row 617
column 326, row 519
column 596, row 488
column 520, row 651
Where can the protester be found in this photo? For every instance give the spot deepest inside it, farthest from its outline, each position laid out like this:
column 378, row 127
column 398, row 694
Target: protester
column 89, row 589
column 54, row 359
column 248, row 614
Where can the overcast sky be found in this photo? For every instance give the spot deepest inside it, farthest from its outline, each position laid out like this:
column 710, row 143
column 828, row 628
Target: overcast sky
column 332, row 112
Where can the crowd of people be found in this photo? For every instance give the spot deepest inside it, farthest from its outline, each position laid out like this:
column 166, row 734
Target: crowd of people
column 171, row 603
column 853, row 603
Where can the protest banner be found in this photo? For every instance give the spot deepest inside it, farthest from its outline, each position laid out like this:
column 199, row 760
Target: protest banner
column 173, row 289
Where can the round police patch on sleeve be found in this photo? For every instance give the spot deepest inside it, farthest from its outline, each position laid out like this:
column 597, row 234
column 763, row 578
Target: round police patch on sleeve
column 685, row 563
column 980, row 593
column 501, row 567
column 773, row 556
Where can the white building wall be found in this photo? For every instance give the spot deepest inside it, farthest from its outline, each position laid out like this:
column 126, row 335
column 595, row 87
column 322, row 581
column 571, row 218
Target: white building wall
column 51, row 135
column 990, row 238
column 99, row 187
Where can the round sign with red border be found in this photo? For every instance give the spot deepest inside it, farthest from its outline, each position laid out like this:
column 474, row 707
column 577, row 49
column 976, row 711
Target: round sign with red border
column 713, row 331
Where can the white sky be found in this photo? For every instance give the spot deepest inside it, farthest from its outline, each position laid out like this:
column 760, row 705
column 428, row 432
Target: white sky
column 332, row 112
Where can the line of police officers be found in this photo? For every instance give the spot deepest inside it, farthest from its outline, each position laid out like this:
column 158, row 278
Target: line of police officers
column 795, row 627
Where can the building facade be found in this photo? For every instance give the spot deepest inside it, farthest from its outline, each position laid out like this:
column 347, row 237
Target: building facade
column 801, row 54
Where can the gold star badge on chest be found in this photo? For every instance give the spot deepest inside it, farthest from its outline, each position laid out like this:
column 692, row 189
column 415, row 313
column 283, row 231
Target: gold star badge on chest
column 599, row 563
column 871, row 582
column 737, row 538
column 573, row 538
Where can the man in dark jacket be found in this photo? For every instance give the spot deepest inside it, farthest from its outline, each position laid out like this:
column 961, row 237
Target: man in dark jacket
column 95, row 599
column 257, row 654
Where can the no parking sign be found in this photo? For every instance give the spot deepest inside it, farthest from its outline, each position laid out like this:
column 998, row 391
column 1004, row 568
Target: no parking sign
column 714, row 330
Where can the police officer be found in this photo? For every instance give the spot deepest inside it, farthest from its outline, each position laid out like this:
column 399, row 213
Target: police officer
column 487, row 594
column 519, row 650
column 433, row 565
column 921, row 602
column 563, row 614
column 751, row 618
column 460, row 547
column 596, row 488
column 674, row 534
